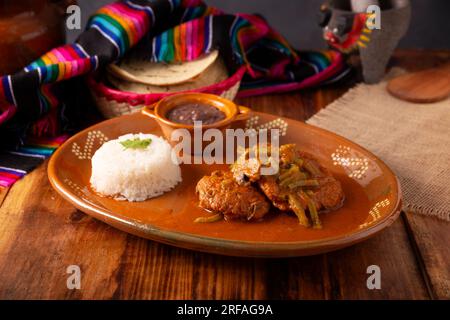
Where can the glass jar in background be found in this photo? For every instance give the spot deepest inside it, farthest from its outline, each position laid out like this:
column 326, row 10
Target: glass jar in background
column 28, row 29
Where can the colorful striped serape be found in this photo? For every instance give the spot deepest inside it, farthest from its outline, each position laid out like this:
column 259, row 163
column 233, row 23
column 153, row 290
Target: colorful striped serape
column 34, row 102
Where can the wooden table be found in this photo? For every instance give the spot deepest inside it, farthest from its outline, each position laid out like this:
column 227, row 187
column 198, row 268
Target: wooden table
column 41, row 235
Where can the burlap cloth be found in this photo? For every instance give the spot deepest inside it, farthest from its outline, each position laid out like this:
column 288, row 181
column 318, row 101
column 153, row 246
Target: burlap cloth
column 412, row 139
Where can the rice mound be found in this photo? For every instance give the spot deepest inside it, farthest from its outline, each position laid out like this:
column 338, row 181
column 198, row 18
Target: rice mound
column 134, row 174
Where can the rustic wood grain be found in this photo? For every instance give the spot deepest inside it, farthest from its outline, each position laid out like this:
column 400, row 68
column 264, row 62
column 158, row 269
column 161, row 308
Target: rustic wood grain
column 429, row 236
column 432, row 238
column 41, row 234
column 401, row 277
column 3, row 192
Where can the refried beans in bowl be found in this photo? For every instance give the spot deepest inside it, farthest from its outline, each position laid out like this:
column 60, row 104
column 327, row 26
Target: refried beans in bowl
column 191, row 112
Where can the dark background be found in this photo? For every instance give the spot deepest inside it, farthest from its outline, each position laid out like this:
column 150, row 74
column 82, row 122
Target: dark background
column 296, row 20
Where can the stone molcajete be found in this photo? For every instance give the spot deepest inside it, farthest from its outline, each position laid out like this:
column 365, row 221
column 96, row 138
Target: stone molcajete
column 371, row 27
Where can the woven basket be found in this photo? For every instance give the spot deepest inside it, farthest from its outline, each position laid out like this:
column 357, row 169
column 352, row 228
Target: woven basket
column 113, row 103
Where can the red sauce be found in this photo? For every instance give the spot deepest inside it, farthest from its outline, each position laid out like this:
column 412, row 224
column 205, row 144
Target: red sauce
column 176, row 211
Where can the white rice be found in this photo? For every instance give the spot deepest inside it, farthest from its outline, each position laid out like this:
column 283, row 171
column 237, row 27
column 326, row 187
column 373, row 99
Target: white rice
column 134, row 174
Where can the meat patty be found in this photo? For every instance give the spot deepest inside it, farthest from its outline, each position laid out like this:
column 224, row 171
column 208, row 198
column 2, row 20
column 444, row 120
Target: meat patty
column 276, row 194
column 288, row 153
column 247, row 169
column 327, row 196
column 219, row 192
column 301, row 185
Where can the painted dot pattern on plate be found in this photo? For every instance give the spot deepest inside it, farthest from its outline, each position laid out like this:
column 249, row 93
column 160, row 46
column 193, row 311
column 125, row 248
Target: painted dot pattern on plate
column 75, row 187
column 375, row 213
column 92, row 137
column 278, row 123
column 356, row 167
column 79, row 191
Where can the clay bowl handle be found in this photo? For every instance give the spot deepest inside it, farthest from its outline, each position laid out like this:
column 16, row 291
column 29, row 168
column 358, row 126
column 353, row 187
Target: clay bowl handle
column 149, row 111
column 243, row 114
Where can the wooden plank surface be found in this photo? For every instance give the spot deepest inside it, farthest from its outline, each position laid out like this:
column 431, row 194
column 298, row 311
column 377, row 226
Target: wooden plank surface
column 3, row 193
column 41, row 235
column 430, row 237
column 432, row 240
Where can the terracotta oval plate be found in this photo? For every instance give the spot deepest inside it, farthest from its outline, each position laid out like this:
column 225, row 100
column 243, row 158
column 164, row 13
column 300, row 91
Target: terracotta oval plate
column 372, row 195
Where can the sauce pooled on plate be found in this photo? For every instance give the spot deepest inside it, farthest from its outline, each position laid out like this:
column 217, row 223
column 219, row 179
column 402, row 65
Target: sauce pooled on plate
column 188, row 113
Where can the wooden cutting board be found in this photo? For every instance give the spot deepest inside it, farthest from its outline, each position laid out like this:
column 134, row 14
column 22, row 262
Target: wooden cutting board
column 425, row 86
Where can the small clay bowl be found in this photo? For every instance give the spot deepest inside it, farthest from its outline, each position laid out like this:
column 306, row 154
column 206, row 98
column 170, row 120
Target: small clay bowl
column 159, row 111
